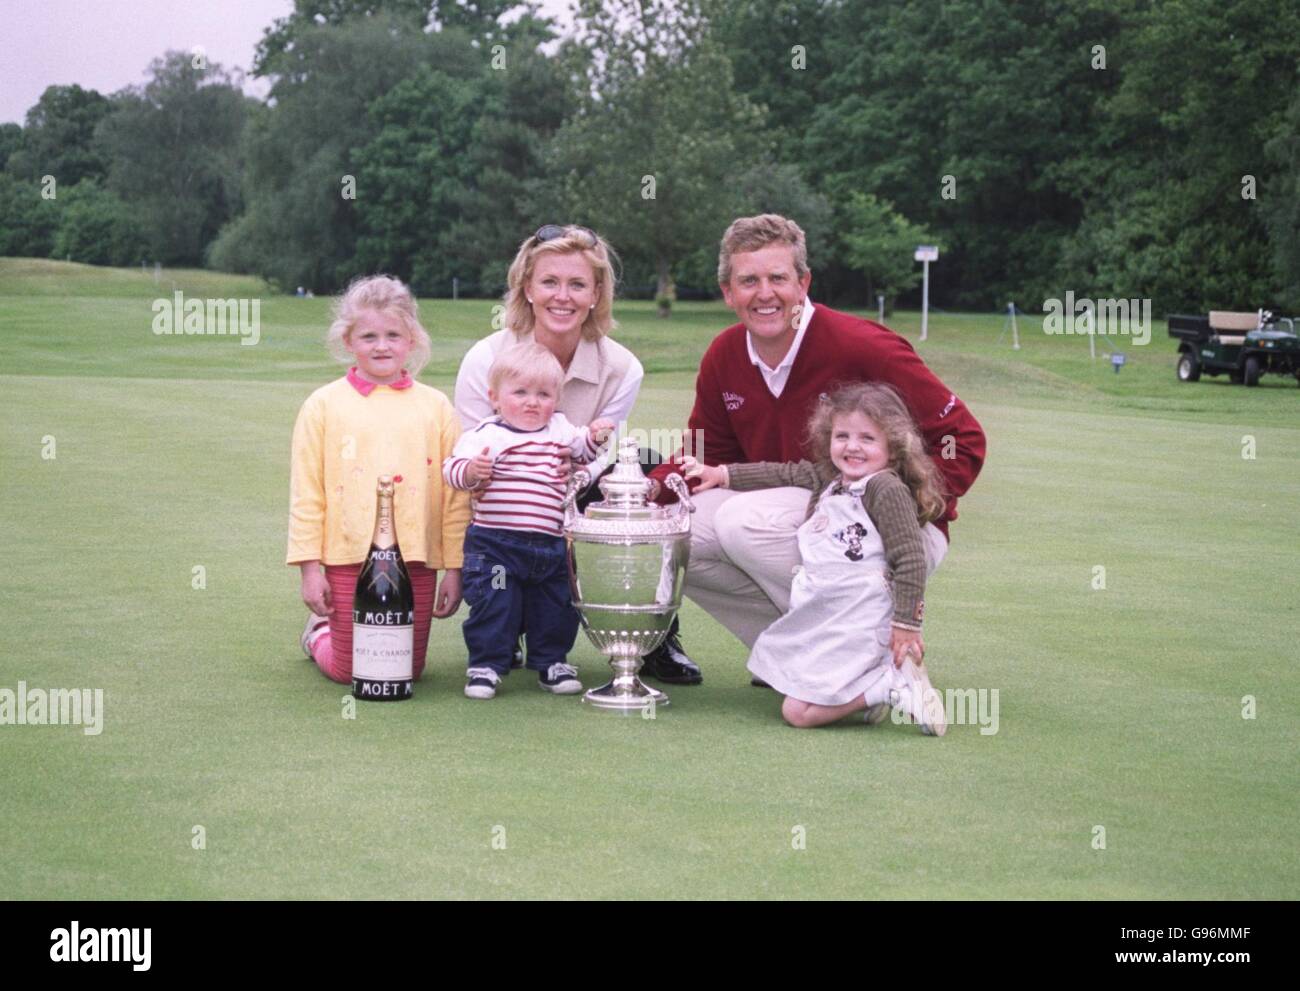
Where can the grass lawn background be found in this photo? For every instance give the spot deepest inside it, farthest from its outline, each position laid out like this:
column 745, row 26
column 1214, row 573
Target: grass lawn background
column 1119, row 708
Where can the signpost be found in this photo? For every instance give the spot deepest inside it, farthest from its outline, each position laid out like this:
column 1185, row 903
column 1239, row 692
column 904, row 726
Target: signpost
column 926, row 253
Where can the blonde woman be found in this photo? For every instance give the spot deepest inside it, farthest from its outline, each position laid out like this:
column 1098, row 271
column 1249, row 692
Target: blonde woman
column 560, row 294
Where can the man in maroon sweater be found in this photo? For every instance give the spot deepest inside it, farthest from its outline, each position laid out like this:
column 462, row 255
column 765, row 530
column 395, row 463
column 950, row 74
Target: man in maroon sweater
column 757, row 386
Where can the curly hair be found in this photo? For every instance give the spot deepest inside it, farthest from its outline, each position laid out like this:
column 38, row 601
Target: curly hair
column 386, row 295
column 907, row 454
column 601, row 257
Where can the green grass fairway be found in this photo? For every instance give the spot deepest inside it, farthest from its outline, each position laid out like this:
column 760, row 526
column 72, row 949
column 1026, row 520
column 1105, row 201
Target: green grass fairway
column 1119, row 707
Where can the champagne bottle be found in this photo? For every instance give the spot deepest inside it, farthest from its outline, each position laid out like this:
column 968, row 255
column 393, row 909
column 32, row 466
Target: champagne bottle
column 383, row 613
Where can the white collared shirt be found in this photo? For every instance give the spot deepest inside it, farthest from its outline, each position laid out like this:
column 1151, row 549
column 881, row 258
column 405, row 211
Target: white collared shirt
column 592, row 363
column 777, row 377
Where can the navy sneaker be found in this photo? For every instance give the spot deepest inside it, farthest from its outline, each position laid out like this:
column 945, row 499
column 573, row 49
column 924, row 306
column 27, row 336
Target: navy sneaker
column 559, row 679
column 482, row 683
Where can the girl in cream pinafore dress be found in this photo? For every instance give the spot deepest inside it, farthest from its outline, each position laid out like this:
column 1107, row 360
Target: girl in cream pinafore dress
column 833, row 643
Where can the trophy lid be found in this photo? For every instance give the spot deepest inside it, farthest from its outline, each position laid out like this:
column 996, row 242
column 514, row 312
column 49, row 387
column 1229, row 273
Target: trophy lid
column 624, row 489
column 626, row 515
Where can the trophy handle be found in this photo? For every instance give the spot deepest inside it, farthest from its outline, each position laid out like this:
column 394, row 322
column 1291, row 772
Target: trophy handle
column 578, row 481
column 683, row 493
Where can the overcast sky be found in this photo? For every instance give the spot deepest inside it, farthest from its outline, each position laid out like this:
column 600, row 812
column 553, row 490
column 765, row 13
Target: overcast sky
column 107, row 44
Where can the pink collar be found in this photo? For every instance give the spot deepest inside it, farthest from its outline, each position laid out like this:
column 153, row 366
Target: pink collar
column 366, row 387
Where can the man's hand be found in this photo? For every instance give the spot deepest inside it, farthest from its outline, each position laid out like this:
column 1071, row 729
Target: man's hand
column 903, row 642
column 710, row 476
column 447, row 599
column 479, row 471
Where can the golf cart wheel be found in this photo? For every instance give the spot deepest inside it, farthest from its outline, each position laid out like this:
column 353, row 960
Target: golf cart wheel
column 1252, row 371
column 1189, row 367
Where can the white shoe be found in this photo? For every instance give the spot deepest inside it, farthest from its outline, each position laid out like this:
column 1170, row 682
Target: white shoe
column 481, row 683
column 916, row 697
column 315, row 625
column 560, row 679
column 876, row 714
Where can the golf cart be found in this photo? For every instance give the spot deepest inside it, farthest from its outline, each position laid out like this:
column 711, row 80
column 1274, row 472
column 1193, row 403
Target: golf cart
column 1242, row 345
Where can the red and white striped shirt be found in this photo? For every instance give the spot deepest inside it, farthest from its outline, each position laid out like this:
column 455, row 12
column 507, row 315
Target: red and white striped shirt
column 528, row 477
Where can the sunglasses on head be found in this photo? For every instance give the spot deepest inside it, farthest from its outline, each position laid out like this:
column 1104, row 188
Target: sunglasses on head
column 549, row 232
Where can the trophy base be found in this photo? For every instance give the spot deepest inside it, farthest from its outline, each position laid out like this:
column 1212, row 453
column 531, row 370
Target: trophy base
column 627, row 693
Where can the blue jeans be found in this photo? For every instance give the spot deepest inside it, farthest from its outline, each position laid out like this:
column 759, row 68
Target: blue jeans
column 515, row 580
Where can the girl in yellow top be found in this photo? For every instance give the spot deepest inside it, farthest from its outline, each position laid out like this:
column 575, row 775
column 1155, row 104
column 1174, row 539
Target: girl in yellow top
column 375, row 420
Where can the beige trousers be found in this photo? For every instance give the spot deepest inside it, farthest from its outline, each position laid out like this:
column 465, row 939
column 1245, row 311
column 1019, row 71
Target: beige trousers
column 744, row 552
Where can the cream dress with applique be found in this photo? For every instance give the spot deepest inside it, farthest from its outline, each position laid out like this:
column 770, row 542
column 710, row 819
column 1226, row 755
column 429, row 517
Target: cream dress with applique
column 834, row 642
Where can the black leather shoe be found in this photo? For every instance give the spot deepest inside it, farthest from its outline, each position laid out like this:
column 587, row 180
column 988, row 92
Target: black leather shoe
column 668, row 663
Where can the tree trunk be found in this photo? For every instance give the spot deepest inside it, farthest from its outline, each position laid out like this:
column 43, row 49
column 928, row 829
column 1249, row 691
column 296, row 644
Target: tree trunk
column 665, row 290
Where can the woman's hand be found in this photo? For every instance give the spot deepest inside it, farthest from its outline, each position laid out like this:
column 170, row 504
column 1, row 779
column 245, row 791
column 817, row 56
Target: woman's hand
column 903, row 642
column 710, row 476
column 479, row 471
column 316, row 590
column 447, row 599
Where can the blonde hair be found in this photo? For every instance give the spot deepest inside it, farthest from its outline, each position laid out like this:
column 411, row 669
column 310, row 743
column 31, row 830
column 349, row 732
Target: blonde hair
column 907, row 454
column 528, row 362
column 601, row 257
column 753, row 233
column 383, row 294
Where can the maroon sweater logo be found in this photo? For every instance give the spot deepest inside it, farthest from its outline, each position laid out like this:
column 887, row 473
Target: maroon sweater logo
column 733, row 401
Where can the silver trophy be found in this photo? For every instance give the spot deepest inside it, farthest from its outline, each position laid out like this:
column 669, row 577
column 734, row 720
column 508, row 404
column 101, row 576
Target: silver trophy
column 627, row 562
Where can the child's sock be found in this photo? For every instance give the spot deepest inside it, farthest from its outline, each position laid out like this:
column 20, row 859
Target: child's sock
column 878, row 691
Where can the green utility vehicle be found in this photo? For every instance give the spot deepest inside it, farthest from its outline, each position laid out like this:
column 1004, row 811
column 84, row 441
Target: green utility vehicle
column 1243, row 346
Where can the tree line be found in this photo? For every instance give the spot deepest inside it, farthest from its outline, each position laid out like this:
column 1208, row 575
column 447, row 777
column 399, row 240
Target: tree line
column 1117, row 148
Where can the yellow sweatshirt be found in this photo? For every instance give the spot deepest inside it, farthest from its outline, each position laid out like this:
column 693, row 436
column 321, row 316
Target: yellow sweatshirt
column 350, row 432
